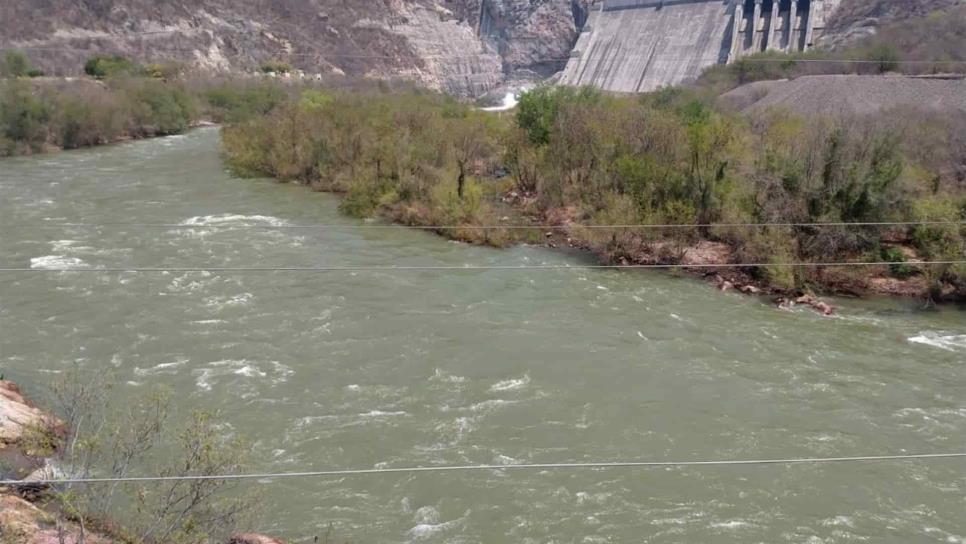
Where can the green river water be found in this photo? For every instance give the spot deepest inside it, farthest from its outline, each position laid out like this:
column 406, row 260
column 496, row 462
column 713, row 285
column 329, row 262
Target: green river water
column 382, row 369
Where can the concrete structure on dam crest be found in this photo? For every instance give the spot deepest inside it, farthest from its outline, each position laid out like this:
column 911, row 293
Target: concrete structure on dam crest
column 641, row 45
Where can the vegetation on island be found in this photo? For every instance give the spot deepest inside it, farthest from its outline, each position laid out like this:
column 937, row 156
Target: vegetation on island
column 121, row 100
column 583, row 157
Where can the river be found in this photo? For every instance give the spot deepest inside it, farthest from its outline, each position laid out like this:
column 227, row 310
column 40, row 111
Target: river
column 390, row 369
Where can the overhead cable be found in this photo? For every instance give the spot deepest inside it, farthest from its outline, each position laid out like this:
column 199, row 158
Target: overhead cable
column 523, row 466
column 337, row 226
column 162, row 50
column 469, row 268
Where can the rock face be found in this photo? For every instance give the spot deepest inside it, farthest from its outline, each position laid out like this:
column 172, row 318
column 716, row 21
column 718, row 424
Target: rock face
column 534, row 35
column 853, row 20
column 461, row 46
column 17, row 415
column 24, row 523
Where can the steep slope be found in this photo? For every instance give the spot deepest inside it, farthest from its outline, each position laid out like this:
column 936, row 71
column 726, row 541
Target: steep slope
column 440, row 43
column 856, row 19
column 852, row 95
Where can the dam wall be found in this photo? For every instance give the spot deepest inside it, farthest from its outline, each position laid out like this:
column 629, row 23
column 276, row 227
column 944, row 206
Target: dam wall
column 777, row 25
column 642, row 45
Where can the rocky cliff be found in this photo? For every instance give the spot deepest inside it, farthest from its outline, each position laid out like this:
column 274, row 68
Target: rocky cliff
column 853, row 20
column 461, row 46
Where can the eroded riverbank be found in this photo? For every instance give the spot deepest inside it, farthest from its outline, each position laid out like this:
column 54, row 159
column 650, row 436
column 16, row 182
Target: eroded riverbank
column 406, row 369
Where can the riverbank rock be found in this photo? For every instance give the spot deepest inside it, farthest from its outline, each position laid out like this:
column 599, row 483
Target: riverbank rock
column 820, row 306
column 24, row 523
column 18, row 415
column 253, row 538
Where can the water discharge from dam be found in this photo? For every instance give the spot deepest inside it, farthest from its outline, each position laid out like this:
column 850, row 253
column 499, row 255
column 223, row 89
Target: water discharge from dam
column 379, row 369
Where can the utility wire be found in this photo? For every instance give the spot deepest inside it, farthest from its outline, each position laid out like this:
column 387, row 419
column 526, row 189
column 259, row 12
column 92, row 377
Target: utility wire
column 469, row 268
column 526, row 466
column 477, row 55
column 188, row 226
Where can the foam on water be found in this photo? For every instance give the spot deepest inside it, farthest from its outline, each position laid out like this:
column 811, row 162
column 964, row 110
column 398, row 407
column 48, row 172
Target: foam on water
column 230, row 219
column 428, row 524
column 273, row 371
column 948, row 342
column 56, row 261
column 488, row 405
column 161, row 367
column 733, row 524
column 61, row 246
column 511, row 384
column 381, row 413
column 218, row 303
column 441, row 376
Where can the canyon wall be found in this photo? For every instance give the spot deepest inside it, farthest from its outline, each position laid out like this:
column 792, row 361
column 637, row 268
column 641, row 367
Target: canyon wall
column 460, row 46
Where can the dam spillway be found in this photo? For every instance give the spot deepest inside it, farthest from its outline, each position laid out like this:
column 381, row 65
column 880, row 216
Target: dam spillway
column 642, row 45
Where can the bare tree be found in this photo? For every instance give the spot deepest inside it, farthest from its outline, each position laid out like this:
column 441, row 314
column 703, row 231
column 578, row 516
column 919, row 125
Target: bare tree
column 104, row 443
column 471, row 140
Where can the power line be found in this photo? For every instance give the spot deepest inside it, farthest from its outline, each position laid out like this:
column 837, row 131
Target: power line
column 335, row 226
column 482, row 53
column 525, row 466
column 470, row 268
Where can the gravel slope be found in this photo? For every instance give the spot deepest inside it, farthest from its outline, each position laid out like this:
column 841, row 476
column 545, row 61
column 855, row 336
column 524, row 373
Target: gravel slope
column 855, row 94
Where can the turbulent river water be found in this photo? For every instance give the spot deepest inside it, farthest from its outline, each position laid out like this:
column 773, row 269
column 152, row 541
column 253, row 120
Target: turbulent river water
column 390, row 369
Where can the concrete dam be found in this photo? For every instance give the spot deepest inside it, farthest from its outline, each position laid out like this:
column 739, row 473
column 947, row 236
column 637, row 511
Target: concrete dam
column 642, row 45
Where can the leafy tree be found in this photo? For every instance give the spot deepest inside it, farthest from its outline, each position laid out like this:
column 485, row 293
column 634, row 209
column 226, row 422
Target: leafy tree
column 23, row 117
column 107, row 66
column 886, row 57
column 275, row 67
column 164, row 70
column 538, row 109
column 15, row 64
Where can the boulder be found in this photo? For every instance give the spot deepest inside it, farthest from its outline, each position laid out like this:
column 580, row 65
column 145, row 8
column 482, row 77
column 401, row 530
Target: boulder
column 823, row 307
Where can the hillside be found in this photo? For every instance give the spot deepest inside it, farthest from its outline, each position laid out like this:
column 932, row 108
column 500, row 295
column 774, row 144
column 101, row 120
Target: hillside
column 450, row 45
column 853, row 20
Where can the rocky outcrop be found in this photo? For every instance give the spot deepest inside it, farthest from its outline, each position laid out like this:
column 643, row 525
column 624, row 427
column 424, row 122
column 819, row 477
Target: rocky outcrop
column 532, row 35
column 24, row 523
column 461, row 46
column 18, row 415
column 853, row 20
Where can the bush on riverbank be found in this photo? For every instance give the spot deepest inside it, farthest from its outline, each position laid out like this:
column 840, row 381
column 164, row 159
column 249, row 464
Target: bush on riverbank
column 92, row 437
column 72, row 114
column 418, row 157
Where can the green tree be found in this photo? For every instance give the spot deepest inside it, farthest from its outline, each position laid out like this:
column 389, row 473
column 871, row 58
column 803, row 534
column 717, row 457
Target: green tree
column 538, row 109
column 15, row 64
column 275, row 67
column 107, row 66
column 23, row 116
